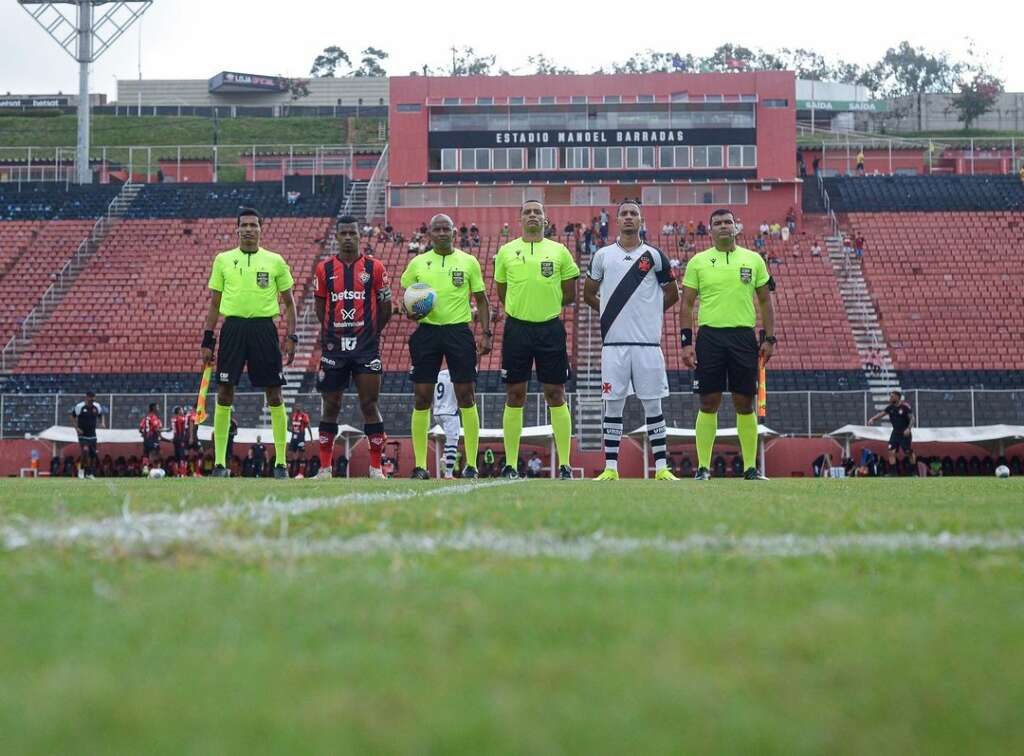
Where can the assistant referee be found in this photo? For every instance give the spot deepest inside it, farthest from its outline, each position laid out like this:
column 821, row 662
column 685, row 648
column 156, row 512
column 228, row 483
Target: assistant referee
column 536, row 278
column 726, row 278
column 245, row 285
column 445, row 334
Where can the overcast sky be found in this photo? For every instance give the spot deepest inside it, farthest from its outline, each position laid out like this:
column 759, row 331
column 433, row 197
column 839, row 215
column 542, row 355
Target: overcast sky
column 194, row 39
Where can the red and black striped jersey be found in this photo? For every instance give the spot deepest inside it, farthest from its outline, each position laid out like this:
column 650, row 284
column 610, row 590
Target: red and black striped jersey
column 353, row 295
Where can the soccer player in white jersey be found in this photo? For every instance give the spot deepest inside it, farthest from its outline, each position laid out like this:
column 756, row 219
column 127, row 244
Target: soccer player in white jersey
column 446, row 414
column 630, row 283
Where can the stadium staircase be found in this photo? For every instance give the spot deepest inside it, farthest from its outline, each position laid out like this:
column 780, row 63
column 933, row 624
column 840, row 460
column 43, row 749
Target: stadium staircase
column 589, row 405
column 64, row 279
column 356, row 201
column 377, row 190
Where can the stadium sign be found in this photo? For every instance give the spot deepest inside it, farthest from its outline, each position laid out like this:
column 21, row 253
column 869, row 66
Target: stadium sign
column 575, row 137
column 232, row 81
column 840, row 106
column 34, row 102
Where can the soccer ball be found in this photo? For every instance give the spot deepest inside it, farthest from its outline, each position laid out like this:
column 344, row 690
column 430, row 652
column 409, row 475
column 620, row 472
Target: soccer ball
column 1002, row 471
column 156, row 473
column 419, row 299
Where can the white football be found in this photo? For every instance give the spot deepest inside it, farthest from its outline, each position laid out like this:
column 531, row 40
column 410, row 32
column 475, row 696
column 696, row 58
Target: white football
column 1002, row 471
column 419, row 299
column 156, row 473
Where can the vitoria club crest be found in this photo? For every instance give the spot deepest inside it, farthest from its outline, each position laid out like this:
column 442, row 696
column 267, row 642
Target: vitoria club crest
column 458, row 277
column 364, row 277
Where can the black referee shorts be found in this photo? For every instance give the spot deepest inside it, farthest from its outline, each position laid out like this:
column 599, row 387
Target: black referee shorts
column 899, row 442
column 527, row 343
column 250, row 343
column 726, row 361
column 430, row 344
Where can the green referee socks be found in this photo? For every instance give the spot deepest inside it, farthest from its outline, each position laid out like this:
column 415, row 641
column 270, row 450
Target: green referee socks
column 561, row 426
column 512, row 428
column 279, row 421
column 471, row 427
column 221, row 426
column 707, row 428
column 420, row 429
column 746, row 429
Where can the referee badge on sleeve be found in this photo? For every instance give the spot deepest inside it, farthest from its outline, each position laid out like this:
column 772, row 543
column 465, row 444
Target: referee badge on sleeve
column 547, row 268
column 746, row 275
column 458, row 277
column 262, row 279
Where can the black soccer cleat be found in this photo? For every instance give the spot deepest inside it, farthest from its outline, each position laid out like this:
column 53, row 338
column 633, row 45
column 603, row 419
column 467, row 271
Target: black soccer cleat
column 565, row 472
column 221, row 472
column 418, row 473
column 280, row 472
column 753, row 473
column 470, row 472
column 703, row 473
column 508, row 472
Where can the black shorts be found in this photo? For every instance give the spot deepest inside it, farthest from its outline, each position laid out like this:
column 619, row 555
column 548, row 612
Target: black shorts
column 430, row 344
column 897, row 442
column 180, row 450
column 297, row 444
column 336, row 373
column 726, row 361
column 526, row 343
column 149, row 445
column 87, row 443
column 250, row 343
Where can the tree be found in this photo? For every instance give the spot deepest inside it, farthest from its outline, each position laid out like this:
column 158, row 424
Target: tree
column 371, row 63
column 908, row 71
column 650, row 61
column 977, row 96
column 297, row 88
column 326, row 63
column 542, row 65
column 727, row 58
column 466, row 62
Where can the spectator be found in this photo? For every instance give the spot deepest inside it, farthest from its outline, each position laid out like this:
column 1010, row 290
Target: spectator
column 860, row 162
column 691, row 229
column 816, row 250
column 858, row 247
column 588, row 240
column 667, row 229
column 739, row 226
column 702, row 229
column 759, row 243
column 764, row 228
column 784, row 233
column 259, row 456
column 249, row 465
column 776, row 230
column 569, row 230
column 603, row 217
column 822, row 466
column 791, row 219
column 800, row 164
column 675, row 265
column 504, row 233
column 815, row 164
column 796, row 249
column 533, row 467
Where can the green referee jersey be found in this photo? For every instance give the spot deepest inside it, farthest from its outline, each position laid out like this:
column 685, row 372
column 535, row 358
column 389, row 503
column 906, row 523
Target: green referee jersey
column 725, row 283
column 249, row 282
column 452, row 277
column 533, row 273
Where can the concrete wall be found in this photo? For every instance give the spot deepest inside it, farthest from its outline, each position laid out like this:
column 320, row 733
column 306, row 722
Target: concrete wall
column 196, row 92
column 938, row 114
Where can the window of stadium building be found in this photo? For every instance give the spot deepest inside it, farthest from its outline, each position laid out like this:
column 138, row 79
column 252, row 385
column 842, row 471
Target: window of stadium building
column 507, row 159
column 742, row 156
column 575, row 157
column 541, row 158
column 475, row 159
column 443, row 160
column 675, row 157
column 639, row 157
column 607, row 157
column 464, row 196
column 695, row 194
column 707, row 157
column 590, row 195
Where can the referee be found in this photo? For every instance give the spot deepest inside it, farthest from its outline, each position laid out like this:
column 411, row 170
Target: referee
column 536, row 278
column 726, row 277
column 444, row 334
column 245, row 284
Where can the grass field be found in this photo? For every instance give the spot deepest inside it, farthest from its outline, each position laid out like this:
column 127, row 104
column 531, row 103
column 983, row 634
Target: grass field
column 790, row 617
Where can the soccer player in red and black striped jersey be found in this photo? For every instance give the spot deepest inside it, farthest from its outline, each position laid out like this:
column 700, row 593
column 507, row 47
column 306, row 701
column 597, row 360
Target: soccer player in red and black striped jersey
column 353, row 304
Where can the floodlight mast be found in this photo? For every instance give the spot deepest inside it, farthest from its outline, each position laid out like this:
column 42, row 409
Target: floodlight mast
column 85, row 39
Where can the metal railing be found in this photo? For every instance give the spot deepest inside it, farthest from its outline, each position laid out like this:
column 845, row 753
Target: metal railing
column 376, row 190
column 794, row 413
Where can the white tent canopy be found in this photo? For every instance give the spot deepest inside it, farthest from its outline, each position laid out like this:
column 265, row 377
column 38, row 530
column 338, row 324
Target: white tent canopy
column 689, row 435
column 992, row 437
column 535, row 435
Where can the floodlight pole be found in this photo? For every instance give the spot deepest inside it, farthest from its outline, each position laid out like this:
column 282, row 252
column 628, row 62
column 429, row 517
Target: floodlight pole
column 85, row 39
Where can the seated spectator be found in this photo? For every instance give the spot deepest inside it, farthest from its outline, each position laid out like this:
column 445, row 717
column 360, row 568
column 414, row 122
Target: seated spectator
column 568, row 231
column 764, row 228
column 702, row 229
column 816, row 250
column 667, row 229
column 691, row 228
column 791, row 220
column 796, row 249
column 504, row 233
column 776, row 231
column 759, row 243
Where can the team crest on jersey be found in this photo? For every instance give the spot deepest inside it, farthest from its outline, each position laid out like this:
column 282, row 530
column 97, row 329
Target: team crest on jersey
column 547, row 268
column 458, row 277
column 364, row 277
column 746, row 275
column 606, row 388
column 645, row 263
column 263, row 279
column 375, row 365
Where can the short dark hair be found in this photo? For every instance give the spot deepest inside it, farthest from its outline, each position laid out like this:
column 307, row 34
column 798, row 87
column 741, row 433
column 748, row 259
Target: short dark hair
column 721, row 211
column 898, row 393
column 152, row 407
column 90, row 395
column 246, row 212
column 345, row 220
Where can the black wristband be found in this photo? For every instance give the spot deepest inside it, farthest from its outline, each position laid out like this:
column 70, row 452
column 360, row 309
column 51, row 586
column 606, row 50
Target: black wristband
column 293, row 338
column 686, row 336
column 209, row 340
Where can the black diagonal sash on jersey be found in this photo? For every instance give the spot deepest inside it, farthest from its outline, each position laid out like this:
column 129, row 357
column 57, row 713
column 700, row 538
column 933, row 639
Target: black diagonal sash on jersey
column 629, row 283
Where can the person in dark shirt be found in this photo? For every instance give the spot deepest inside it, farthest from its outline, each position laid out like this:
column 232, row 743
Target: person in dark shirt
column 259, row 456
column 88, row 416
column 901, row 417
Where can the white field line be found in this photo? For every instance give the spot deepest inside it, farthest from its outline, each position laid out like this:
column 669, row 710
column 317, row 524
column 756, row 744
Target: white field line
column 157, row 533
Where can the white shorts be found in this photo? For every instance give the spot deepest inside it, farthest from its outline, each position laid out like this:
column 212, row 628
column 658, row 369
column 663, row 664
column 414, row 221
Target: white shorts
column 636, row 370
column 451, row 426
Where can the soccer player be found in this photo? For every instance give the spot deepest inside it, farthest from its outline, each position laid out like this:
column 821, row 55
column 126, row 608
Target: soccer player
column 536, row 278
column 245, row 285
column 446, row 414
column 88, row 415
column 630, row 283
column 726, row 278
column 179, row 427
column 299, row 424
column 353, row 304
column 444, row 334
column 150, row 428
column 901, row 416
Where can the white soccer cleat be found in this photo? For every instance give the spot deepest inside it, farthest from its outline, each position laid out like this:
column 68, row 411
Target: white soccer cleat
column 324, row 474
column 376, row 472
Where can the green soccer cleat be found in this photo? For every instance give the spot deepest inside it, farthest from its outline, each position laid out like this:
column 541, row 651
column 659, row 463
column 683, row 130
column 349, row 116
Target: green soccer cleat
column 703, row 473
column 753, row 473
column 469, row 473
column 665, row 474
column 608, row 475
column 509, row 472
